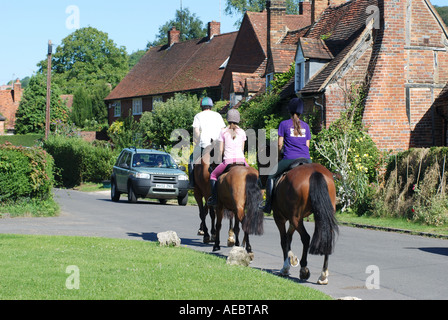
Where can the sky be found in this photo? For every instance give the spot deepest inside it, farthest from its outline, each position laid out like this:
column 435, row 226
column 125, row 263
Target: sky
column 26, row 26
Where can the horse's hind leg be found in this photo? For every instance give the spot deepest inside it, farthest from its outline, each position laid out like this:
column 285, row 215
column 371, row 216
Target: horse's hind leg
column 305, row 237
column 231, row 239
column 285, row 241
column 219, row 213
column 323, row 279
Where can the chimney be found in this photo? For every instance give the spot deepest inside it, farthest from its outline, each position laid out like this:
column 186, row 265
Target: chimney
column 319, row 6
column 17, row 91
column 214, row 29
column 276, row 10
column 173, row 36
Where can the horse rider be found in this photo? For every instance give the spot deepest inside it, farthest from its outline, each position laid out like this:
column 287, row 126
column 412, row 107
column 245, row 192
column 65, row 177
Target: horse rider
column 294, row 138
column 231, row 143
column 207, row 126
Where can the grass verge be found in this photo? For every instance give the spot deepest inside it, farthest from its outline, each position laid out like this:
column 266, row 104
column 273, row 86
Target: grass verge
column 35, row 268
column 29, row 208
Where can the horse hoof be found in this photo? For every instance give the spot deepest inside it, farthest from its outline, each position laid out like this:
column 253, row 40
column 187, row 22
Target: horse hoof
column 323, row 279
column 230, row 242
column 304, row 273
column 216, row 248
column 200, row 232
column 293, row 260
column 206, row 239
column 251, row 256
column 284, row 272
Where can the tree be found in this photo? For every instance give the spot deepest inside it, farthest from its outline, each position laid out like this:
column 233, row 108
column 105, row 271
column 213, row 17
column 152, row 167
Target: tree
column 82, row 107
column 443, row 12
column 87, row 58
column 239, row 7
column 175, row 113
column 30, row 117
column 188, row 23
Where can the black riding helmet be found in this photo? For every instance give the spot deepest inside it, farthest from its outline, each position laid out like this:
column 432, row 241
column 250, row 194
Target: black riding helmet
column 296, row 106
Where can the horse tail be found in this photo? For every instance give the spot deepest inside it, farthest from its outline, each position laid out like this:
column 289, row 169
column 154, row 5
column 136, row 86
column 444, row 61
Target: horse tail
column 326, row 225
column 253, row 220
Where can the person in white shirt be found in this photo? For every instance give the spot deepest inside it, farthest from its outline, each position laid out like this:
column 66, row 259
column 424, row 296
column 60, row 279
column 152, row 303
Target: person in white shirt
column 207, row 127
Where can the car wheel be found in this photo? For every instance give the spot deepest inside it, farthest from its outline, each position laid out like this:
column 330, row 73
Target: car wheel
column 132, row 197
column 114, row 194
column 182, row 201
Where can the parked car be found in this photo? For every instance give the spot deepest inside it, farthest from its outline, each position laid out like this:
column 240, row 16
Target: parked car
column 147, row 173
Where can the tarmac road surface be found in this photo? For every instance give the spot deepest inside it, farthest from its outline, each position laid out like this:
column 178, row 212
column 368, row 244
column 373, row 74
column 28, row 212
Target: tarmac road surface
column 400, row 266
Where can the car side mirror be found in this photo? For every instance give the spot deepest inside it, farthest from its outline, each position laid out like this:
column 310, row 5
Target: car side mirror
column 124, row 166
column 183, row 168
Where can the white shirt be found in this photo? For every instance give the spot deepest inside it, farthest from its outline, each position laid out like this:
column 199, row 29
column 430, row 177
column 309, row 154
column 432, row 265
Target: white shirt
column 209, row 124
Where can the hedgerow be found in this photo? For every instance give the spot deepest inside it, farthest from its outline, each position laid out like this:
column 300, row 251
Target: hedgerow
column 25, row 173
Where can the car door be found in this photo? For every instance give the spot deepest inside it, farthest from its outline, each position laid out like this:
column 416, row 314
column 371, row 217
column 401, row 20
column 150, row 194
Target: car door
column 122, row 171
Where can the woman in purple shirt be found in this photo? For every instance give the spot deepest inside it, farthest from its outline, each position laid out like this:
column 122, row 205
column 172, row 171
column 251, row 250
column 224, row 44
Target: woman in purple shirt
column 294, row 135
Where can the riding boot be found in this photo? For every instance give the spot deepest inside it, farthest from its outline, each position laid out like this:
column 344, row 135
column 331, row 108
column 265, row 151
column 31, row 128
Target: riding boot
column 190, row 176
column 213, row 200
column 269, row 188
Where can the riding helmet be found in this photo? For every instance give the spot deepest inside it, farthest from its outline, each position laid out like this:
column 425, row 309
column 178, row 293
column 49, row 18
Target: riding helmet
column 233, row 116
column 206, row 103
column 295, row 106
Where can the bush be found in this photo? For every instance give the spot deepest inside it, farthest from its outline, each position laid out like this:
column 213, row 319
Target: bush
column 25, row 173
column 175, row 113
column 415, row 186
column 79, row 161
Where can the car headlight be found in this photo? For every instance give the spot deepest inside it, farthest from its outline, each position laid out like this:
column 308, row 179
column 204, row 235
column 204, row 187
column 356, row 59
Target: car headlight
column 183, row 177
column 140, row 175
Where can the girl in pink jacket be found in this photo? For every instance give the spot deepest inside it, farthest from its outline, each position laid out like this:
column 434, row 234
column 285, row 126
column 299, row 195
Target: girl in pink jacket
column 232, row 140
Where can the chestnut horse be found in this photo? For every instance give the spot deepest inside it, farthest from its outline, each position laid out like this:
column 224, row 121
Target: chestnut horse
column 240, row 194
column 202, row 191
column 306, row 189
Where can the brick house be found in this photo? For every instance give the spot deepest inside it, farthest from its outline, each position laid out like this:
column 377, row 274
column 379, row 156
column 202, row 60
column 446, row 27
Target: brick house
column 178, row 67
column 395, row 49
column 9, row 103
column 257, row 43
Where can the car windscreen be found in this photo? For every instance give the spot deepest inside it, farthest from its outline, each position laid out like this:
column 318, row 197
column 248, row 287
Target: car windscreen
column 141, row 160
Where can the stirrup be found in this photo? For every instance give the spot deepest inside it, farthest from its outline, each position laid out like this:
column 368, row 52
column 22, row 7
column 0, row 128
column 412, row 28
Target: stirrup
column 212, row 202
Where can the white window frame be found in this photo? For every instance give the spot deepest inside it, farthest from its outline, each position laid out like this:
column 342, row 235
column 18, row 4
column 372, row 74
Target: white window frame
column 137, row 106
column 117, row 109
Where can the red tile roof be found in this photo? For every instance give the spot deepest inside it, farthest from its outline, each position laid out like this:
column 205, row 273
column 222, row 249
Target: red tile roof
column 188, row 65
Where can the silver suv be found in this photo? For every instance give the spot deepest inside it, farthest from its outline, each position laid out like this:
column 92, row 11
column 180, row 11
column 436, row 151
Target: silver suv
column 147, row 173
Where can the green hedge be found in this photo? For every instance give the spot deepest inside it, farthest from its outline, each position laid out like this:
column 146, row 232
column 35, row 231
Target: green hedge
column 25, row 173
column 79, row 161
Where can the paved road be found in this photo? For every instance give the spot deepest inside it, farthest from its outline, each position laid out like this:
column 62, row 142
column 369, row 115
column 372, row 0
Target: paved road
column 408, row 267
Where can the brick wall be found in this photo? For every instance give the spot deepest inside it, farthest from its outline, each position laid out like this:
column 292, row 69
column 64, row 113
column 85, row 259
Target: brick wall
column 385, row 110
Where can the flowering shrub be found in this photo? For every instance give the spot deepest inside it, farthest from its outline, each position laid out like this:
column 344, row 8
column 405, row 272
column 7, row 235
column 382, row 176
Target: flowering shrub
column 346, row 149
column 25, row 173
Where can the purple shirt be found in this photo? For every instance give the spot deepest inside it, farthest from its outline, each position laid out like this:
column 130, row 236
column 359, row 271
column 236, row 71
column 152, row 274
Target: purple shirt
column 295, row 147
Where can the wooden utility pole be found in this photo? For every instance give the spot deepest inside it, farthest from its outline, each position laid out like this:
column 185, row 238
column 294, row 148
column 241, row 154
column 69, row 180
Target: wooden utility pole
column 47, row 113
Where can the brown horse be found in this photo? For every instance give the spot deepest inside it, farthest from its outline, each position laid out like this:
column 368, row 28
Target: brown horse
column 240, row 194
column 202, row 191
column 306, row 189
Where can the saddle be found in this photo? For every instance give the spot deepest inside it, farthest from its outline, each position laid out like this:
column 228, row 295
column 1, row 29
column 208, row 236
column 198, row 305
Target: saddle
column 298, row 162
column 231, row 165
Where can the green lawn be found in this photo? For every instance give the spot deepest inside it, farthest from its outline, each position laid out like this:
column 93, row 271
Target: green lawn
column 35, row 268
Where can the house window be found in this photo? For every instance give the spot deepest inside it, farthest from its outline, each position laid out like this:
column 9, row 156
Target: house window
column 137, row 107
column 269, row 78
column 117, row 108
column 300, row 76
column 156, row 99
